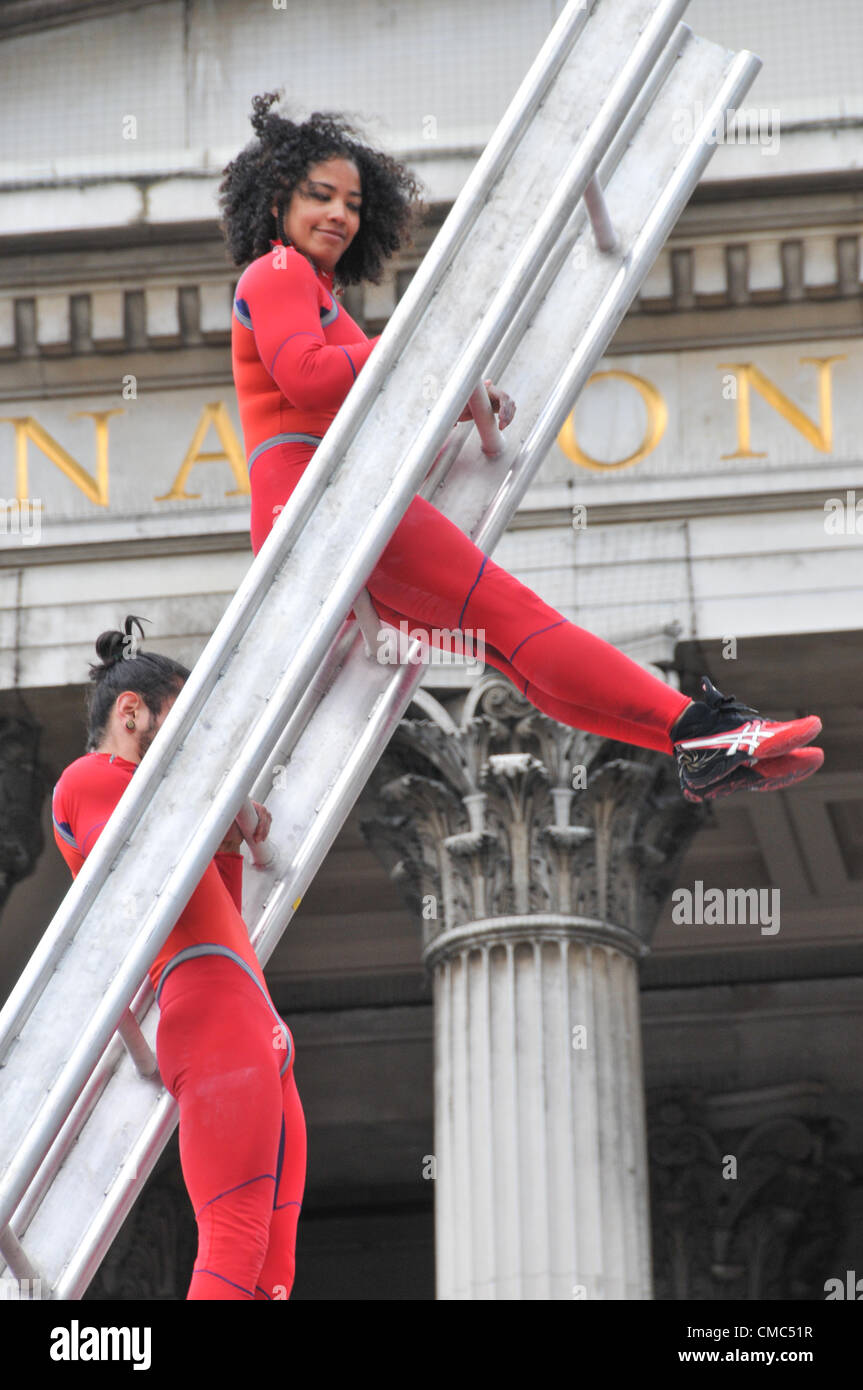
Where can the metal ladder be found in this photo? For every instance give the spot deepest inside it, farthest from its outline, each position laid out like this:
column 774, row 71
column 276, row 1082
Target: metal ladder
column 533, row 270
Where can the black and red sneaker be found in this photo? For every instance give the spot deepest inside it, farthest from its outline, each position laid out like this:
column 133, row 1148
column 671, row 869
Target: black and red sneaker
column 770, row 775
column 717, row 734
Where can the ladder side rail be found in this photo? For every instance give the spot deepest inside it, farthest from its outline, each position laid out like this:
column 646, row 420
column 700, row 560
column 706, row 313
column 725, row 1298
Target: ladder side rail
column 118, row 1201
column 680, row 37
column 640, row 257
column 197, row 851
column 117, row 1131
column 674, row 50
column 606, row 242
column 273, row 904
column 155, row 1132
column 243, row 605
column 731, row 99
column 142, row 776
column 109, row 1064
column 102, row 1075
column 515, row 475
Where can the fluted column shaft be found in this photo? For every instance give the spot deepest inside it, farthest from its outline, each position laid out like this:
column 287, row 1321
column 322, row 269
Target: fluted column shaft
column 536, row 857
column 541, row 1160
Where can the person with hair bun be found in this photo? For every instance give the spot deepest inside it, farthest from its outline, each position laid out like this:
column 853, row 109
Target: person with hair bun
column 308, row 208
column 223, row 1051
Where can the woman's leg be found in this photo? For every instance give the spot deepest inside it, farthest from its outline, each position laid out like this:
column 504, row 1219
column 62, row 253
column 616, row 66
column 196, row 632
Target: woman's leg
column 274, row 476
column 276, row 1277
column 577, row 716
column 216, row 1056
column 433, row 576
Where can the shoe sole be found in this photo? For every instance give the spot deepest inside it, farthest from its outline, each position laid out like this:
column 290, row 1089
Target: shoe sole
column 774, row 743
column 770, row 775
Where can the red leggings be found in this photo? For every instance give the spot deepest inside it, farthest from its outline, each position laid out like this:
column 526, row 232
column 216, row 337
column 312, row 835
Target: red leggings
column 242, row 1131
column 432, row 576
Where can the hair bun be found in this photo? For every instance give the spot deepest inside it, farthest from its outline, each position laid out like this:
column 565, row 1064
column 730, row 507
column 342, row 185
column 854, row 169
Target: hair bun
column 109, row 647
column 115, row 646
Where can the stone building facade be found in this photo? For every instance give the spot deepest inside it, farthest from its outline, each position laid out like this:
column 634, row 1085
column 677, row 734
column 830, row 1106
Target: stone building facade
column 496, row 1003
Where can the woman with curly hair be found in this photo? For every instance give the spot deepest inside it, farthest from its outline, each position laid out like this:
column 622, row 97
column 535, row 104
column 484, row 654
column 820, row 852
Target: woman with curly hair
column 307, row 209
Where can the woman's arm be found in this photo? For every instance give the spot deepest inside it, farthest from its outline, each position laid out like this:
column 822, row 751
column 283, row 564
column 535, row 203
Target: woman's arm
column 280, row 295
column 229, row 860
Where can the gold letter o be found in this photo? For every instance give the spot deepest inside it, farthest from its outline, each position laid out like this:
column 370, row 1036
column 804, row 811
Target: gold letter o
column 657, row 419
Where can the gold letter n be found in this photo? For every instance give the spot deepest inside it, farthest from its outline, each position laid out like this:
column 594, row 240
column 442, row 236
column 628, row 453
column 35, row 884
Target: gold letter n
column 821, row 435
column 26, row 428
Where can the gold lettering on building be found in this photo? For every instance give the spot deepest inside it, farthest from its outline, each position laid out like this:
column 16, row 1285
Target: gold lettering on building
column 29, row 431
column 214, row 414
column 657, row 419
column 748, row 375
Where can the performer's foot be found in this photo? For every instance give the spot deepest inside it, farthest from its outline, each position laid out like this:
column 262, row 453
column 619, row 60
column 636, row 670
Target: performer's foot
column 767, row 776
column 716, row 734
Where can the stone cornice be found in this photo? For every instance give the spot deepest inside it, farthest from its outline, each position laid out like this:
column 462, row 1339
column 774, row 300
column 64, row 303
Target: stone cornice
column 31, row 16
column 527, row 519
column 152, row 302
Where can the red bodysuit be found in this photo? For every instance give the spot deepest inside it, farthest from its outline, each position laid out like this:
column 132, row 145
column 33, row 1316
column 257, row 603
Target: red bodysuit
column 224, row 1054
column 296, row 354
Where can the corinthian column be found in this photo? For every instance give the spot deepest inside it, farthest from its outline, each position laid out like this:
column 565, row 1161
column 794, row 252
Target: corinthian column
column 536, row 857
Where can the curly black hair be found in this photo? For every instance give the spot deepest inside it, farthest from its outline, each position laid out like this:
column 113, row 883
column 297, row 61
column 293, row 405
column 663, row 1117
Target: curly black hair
column 271, row 166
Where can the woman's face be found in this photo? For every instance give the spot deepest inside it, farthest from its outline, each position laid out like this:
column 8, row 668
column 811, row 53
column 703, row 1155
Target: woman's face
column 323, row 216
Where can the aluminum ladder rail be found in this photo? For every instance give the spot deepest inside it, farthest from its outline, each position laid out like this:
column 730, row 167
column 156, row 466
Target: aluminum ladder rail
column 459, row 492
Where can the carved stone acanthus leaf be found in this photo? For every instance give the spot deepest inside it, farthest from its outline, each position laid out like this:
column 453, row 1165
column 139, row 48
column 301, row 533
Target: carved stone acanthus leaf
column 502, row 810
column 742, row 1211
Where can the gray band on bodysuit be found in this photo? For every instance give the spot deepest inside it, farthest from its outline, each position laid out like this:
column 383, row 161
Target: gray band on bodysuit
column 208, row 948
column 283, row 439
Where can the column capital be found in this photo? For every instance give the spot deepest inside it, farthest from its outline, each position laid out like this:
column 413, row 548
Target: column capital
column 485, row 810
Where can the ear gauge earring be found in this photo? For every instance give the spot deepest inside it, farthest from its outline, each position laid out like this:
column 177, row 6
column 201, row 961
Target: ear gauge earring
column 130, row 723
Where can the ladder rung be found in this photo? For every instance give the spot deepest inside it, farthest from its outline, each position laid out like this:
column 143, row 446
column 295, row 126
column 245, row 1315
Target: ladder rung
column 597, row 210
column 18, row 1260
column 367, row 618
column 370, row 625
column 486, row 424
column 137, row 1046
